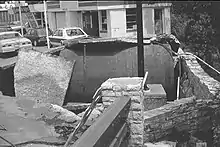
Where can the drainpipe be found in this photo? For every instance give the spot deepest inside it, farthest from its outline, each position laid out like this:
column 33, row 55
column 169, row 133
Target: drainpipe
column 22, row 31
column 45, row 17
column 84, row 67
column 140, row 39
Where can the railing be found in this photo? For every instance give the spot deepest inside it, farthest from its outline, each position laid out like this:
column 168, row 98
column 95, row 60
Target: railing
column 110, row 129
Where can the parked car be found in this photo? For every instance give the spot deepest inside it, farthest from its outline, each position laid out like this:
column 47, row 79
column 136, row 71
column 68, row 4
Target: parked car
column 5, row 29
column 61, row 34
column 37, row 36
column 18, row 29
column 12, row 41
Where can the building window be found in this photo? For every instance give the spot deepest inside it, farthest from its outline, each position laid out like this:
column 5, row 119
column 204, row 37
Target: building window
column 87, row 21
column 131, row 19
column 158, row 20
column 103, row 20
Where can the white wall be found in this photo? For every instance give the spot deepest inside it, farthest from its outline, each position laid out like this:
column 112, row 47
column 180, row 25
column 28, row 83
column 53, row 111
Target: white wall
column 72, row 19
column 61, row 19
column 148, row 22
column 69, row 5
column 167, row 21
column 117, row 22
column 51, row 20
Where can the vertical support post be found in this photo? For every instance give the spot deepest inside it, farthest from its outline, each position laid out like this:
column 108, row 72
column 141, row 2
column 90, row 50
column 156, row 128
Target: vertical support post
column 178, row 80
column 84, row 66
column 22, row 31
column 140, row 39
column 41, row 17
column 45, row 17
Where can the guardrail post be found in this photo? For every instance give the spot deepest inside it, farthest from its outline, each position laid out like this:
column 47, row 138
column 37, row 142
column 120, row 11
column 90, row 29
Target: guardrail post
column 131, row 87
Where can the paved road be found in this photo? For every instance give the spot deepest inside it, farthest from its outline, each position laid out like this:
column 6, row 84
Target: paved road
column 8, row 62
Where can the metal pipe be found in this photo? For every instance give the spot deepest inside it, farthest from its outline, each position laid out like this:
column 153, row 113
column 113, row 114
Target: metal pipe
column 22, row 31
column 45, row 16
column 140, row 39
column 178, row 80
column 84, row 65
column 144, row 80
column 203, row 62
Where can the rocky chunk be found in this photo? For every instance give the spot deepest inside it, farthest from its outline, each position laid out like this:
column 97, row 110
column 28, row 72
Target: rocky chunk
column 96, row 112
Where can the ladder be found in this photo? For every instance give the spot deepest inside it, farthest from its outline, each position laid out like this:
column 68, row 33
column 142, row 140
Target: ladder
column 31, row 20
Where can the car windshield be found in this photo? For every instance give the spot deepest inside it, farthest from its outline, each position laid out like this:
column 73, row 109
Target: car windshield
column 42, row 32
column 9, row 35
column 74, row 32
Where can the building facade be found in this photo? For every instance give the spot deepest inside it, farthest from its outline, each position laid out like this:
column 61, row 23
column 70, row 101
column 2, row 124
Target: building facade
column 108, row 18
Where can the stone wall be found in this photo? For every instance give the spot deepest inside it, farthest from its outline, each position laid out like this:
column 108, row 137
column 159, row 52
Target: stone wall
column 141, row 100
column 195, row 81
column 199, row 111
column 186, row 114
column 115, row 88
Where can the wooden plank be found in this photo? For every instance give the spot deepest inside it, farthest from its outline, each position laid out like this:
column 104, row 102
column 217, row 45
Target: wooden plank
column 106, row 127
column 120, row 136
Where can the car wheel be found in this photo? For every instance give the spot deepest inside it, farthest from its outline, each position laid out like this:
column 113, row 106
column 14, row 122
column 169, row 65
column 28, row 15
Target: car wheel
column 35, row 43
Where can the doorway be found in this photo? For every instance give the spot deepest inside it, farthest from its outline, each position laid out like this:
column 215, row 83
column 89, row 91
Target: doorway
column 91, row 23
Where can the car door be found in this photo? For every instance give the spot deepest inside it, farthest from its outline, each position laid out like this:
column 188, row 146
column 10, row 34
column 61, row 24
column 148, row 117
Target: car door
column 32, row 35
column 56, row 38
column 35, row 35
column 28, row 34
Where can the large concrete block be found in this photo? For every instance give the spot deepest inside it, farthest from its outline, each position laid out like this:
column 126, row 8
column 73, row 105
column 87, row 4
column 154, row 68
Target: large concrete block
column 42, row 77
column 155, row 97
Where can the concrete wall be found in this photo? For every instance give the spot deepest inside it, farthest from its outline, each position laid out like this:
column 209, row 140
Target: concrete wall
column 103, row 62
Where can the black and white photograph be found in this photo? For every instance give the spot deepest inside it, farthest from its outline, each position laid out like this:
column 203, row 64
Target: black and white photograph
column 78, row 73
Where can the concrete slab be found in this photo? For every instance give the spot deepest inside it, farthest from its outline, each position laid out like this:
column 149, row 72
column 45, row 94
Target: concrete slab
column 27, row 121
column 8, row 62
column 156, row 90
column 42, row 77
